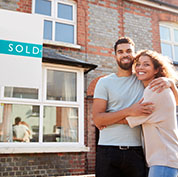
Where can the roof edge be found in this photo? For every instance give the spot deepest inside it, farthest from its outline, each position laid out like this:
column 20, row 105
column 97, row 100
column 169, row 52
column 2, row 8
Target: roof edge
column 87, row 66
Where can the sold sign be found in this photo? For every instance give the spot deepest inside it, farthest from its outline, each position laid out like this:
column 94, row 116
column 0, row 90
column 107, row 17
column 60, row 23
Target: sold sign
column 20, row 48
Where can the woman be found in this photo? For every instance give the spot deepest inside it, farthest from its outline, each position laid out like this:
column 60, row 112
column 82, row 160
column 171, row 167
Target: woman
column 28, row 133
column 160, row 131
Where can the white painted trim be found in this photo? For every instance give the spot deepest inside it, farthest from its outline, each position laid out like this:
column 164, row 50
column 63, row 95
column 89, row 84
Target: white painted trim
column 63, row 44
column 79, row 103
column 80, row 81
column 50, row 147
column 1, row 91
column 53, row 18
column 41, row 124
column 152, row 4
column 42, row 149
column 60, row 66
column 170, row 24
column 171, row 27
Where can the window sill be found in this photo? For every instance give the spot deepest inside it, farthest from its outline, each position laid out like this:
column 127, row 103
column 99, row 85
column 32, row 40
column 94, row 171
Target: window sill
column 59, row 149
column 63, row 44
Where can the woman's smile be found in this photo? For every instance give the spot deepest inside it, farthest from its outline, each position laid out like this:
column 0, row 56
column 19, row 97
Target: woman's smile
column 145, row 69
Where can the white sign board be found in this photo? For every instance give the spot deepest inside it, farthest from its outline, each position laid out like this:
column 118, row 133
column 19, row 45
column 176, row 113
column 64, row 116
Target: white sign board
column 21, row 37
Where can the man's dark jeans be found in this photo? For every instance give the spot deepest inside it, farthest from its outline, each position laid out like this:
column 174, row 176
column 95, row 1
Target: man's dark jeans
column 112, row 161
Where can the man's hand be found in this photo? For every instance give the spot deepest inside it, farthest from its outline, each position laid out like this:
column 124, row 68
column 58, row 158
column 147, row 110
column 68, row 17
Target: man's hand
column 141, row 109
column 161, row 83
column 123, row 121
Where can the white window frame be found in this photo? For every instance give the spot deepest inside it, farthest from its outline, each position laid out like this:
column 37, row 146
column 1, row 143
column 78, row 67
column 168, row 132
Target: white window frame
column 171, row 27
column 46, row 147
column 53, row 18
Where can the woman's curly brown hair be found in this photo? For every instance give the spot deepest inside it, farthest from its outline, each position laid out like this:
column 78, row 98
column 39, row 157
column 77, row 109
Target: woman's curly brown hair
column 161, row 63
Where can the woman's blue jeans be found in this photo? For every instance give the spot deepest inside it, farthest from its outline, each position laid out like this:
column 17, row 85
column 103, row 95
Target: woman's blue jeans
column 162, row 171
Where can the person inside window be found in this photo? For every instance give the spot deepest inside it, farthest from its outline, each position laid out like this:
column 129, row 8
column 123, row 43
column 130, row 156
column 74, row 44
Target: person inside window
column 21, row 132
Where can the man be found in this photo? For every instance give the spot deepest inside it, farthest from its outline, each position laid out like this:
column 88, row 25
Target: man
column 119, row 151
column 19, row 131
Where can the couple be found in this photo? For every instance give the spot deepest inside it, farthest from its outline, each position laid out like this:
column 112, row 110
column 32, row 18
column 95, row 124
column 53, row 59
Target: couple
column 21, row 131
column 119, row 96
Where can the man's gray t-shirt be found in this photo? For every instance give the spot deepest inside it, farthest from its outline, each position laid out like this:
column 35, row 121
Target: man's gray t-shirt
column 120, row 93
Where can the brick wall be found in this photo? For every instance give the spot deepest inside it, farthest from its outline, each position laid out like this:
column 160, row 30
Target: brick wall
column 153, row 17
column 102, row 34
column 90, row 138
column 42, row 165
column 140, row 22
column 25, row 6
column 9, row 5
column 137, row 25
column 157, row 17
column 17, row 5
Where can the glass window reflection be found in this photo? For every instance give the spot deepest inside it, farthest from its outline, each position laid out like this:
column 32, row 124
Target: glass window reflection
column 176, row 53
column 176, row 35
column 19, row 92
column 165, row 33
column 61, row 85
column 166, row 50
column 18, row 123
column 64, row 33
column 47, row 30
column 60, row 124
column 65, row 11
column 43, row 7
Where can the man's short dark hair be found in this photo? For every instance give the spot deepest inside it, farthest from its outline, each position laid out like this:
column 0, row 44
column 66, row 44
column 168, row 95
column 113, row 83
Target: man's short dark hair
column 123, row 40
column 17, row 120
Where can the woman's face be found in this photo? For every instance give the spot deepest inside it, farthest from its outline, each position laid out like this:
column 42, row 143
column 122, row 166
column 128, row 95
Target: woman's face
column 145, row 69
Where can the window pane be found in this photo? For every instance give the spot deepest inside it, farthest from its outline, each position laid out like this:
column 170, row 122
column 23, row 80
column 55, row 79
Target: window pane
column 65, row 11
column 64, row 33
column 175, row 35
column 43, row 7
column 176, row 53
column 60, row 124
column 165, row 33
column 17, row 92
column 18, row 123
column 47, row 30
column 166, row 50
column 61, row 85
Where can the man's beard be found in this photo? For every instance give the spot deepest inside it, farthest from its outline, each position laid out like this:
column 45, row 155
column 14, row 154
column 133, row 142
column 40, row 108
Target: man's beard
column 125, row 66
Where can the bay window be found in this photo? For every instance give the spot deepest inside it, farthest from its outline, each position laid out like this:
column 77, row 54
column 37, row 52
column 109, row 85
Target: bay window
column 50, row 116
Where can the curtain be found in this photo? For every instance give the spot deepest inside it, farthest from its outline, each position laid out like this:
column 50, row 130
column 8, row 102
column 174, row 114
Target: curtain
column 6, row 124
column 69, row 130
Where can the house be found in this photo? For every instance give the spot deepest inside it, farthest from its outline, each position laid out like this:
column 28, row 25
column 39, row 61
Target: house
column 77, row 42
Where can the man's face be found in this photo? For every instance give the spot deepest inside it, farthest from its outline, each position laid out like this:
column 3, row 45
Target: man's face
column 125, row 56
